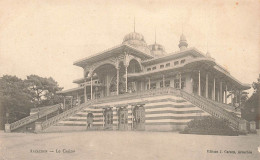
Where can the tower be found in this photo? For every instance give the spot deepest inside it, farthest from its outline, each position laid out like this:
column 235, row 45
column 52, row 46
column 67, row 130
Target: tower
column 183, row 43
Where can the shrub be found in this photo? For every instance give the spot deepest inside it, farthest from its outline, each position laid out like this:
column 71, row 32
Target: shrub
column 209, row 126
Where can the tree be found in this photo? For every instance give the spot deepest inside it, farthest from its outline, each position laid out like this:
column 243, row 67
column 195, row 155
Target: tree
column 43, row 90
column 15, row 99
column 251, row 111
column 18, row 96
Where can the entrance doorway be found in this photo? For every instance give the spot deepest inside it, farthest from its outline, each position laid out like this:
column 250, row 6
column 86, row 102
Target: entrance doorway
column 122, row 119
column 139, row 118
column 108, row 115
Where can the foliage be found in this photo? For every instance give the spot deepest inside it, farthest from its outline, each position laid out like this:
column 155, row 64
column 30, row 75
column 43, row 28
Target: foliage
column 16, row 98
column 43, row 90
column 251, row 110
column 210, row 126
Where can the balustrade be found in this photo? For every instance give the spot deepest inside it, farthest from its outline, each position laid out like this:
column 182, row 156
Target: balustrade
column 34, row 117
column 205, row 105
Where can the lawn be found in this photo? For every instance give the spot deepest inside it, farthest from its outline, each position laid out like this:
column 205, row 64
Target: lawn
column 119, row 145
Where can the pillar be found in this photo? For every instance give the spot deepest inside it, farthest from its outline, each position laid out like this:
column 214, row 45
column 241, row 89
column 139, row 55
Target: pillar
column 163, row 81
column 91, row 88
column 85, row 91
column 132, row 107
column 149, row 83
column 220, row 92
column 214, row 89
column 180, row 81
column 38, row 127
column 64, row 102
column 226, row 94
column 207, row 86
column 71, row 101
column 126, row 78
column 117, row 81
column 103, row 116
column 7, row 128
column 199, row 85
column 252, row 127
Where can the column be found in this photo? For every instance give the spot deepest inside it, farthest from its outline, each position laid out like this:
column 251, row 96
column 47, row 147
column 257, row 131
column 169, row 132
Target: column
column 71, row 99
column 132, row 108
column 126, row 78
column 207, row 86
column 163, row 81
column 64, row 102
column 214, row 89
column 149, row 83
column 232, row 97
column 91, row 88
column 226, row 94
column 117, row 81
column 78, row 98
column 85, row 91
column 199, row 84
column 220, row 92
column 180, row 81
column 103, row 117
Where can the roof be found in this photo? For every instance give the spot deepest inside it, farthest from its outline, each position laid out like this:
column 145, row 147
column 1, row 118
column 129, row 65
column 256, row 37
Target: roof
column 190, row 64
column 190, row 51
column 114, row 51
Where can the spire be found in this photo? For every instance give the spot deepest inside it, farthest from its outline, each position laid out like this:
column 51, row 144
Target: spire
column 183, row 42
column 134, row 24
column 155, row 36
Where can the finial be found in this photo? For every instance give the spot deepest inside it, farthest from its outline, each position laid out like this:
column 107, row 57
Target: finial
column 155, row 36
column 134, row 24
column 182, row 27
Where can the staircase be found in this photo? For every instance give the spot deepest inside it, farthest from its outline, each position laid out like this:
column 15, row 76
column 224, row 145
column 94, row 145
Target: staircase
column 209, row 106
column 40, row 126
column 53, row 120
column 32, row 118
column 215, row 110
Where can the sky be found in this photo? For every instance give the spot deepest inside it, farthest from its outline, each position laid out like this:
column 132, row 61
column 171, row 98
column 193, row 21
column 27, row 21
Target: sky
column 45, row 37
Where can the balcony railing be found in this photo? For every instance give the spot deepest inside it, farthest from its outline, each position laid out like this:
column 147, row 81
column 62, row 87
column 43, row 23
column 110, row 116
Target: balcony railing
column 139, row 94
column 34, row 117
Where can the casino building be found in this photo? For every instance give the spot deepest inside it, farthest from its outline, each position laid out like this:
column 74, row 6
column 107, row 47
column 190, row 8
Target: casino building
column 136, row 86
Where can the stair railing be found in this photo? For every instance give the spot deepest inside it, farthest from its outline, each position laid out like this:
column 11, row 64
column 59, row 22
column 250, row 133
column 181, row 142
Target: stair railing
column 73, row 111
column 63, row 115
column 212, row 109
column 33, row 117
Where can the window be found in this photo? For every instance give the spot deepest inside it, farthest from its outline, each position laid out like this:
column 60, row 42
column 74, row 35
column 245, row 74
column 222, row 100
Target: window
column 177, row 83
column 176, row 63
column 167, row 83
column 161, row 84
column 161, row 66
column 183, row 61
column 154, row 68
column 148, row 69
column 153, row 86
column 168, row 64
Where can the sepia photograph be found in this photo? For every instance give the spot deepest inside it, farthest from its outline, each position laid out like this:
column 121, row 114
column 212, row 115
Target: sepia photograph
column 129, row 80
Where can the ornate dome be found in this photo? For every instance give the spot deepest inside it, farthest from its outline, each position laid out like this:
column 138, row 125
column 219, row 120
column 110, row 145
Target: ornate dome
column 157, row 50
column 136, row 40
